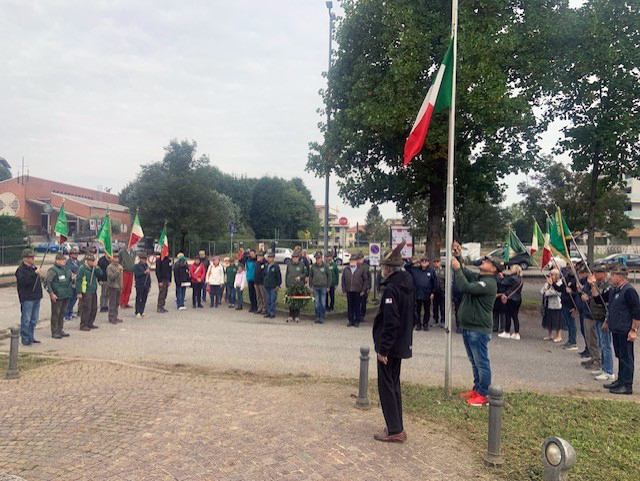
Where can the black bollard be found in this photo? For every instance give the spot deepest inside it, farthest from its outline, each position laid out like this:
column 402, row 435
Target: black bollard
column 493, row 457
column 363, row 398
column 12, row 372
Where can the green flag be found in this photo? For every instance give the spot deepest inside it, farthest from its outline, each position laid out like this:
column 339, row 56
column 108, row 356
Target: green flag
column 513, row 246
column 557, row 235
column 104, row 237
column 61, row 225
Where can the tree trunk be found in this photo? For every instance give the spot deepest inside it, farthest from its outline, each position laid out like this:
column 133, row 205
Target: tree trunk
column 593, row 191
column 436, row 211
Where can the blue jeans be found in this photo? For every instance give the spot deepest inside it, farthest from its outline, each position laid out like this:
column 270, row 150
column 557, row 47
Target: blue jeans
column 604, row 342
column 204, row 291
column 570, row 323
column 272, row 296
column 320, row 297
column 72, row 303
column 231, row 293
column 180, row 294
column 477, row 346
column 239, row 299
column 30, row 312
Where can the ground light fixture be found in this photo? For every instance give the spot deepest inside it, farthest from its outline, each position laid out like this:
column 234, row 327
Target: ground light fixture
column 558, row 457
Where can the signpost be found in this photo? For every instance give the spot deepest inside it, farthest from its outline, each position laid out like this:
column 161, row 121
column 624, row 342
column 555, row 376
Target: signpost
column 374, row 260
column 399, row 234
column 232, row 230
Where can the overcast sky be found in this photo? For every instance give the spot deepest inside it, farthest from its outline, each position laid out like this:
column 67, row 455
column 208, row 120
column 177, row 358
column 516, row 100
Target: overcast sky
column 92, row 89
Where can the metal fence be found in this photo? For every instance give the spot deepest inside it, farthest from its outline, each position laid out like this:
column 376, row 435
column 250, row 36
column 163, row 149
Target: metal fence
column 11, row 249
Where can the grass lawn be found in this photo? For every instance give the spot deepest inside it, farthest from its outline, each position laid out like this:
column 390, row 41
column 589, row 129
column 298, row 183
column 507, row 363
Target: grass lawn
column 25, row 362
column 605, row 434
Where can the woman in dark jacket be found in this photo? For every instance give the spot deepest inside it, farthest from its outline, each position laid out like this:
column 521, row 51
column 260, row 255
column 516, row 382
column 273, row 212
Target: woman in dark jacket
column 512, row 299
column 182, row 278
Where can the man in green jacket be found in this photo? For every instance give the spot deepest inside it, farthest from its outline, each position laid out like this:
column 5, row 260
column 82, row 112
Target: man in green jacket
column 272, row 283
column 335, row 280
column 87, row 287
column 114, row 283
column 296, row 275
column 230, row 278
column 476, row 319
column 58, row 284
column 319, row 281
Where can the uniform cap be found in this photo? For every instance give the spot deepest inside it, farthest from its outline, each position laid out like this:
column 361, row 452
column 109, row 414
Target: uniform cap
column 28, row 253
column 599, row 268
column 90, row 257
column 394, row 257
column 318, row 255
column 271, row 254
column 620, row 269
column 360, row 255
column 498, row 265
column 60, row 255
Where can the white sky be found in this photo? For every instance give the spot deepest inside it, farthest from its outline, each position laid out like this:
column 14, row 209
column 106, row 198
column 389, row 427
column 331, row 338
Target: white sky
column 92, row 89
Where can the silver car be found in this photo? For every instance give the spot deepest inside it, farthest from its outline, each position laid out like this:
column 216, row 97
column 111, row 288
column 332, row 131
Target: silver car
column 283, row 255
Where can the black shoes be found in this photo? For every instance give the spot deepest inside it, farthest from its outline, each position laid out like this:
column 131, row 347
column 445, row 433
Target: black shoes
column 418, row 327
column 621, row 390
column 64, row 334
column 612, row 385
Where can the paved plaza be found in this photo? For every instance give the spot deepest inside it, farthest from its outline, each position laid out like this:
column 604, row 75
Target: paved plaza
column 97, row 420
column 226, row 339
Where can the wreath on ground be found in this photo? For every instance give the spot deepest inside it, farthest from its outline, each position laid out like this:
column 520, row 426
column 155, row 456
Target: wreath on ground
column 297, row 296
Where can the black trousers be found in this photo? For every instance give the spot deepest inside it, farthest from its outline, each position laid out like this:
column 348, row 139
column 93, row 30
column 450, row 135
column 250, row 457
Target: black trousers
column 363, row 305
column 353, row 308
column 216, row 295
column 141, row 299
column 624, row 353
column 196, row 295
column 331, row 298
column 420, row 304
column 498, row 315
column 438, row 307
column 391, row 394
column 512, row 309
column 252, row 296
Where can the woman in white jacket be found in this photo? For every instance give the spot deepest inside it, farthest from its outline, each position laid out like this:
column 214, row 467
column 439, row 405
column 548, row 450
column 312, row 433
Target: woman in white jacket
column 215, row 279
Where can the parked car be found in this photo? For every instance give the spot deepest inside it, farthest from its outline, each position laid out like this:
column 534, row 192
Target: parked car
column 343, row 257
column 631, row 260
column 283, row 255
column 67, row 246
column 522, row 260
column 52, row 247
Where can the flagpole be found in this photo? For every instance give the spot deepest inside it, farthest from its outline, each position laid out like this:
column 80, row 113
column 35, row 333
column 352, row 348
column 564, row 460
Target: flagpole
column 449, row 206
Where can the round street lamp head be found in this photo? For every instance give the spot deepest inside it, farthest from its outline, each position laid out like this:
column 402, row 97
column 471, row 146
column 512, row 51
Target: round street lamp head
column 329, row 5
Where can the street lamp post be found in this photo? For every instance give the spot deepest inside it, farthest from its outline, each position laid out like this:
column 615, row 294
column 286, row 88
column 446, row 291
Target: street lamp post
column 326, row 184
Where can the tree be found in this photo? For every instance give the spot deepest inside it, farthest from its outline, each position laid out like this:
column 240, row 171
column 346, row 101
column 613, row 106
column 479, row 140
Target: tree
column 481, row 222
column 5, row 173
column 594, row 82
column 375, row 230
column 383, row 67
column 559, row 186
column 174, row 190
column 279, row 204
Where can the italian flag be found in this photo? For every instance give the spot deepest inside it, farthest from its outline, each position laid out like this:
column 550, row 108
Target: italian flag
column 438, row 98
column 163, row 242
column 136, row 232
column 540, row 239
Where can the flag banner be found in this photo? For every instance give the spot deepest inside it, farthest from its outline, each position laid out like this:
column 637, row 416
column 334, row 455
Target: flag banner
column 61, row 225
column 513, row 246
column 556, row 238
column 538, row 238
column 163, row 243
column 438, row 98
column 104, row 236
column 136, row 232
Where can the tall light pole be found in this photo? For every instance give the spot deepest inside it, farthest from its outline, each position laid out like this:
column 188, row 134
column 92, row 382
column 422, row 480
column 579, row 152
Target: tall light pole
column 326, row 153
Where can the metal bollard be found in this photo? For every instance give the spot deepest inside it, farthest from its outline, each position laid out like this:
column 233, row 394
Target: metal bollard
column 363, row 398
column 12, row 372
column 558, row 457
column 493, row 457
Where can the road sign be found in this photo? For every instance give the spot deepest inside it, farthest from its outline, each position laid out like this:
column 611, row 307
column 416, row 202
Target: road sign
column 374, row 254
column 92, row 224
column 399, row 234
column 232, row 229
column 343, row 221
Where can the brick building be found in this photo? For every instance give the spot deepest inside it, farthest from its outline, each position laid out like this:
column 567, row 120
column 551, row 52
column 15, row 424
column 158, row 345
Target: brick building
column 37, row 202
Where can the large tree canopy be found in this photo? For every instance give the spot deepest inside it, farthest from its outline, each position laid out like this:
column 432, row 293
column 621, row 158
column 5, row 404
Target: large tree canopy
column 384, row 65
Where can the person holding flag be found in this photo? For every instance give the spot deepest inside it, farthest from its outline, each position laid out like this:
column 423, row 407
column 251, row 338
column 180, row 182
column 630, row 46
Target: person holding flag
column 87, row 285
column 127, row 275
column 163, row 270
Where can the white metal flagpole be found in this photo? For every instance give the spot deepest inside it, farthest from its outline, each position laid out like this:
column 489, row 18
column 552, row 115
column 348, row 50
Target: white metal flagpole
column 449, row 208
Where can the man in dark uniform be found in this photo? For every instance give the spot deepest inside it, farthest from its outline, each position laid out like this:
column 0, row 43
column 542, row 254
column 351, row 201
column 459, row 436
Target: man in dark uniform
column 142, row 275
column 103, row 263
column 30, row 295
column 58, row 284
column 365, row 298
column 623, row 321
column 424, row 283
column 393, row 338
column 163, row 273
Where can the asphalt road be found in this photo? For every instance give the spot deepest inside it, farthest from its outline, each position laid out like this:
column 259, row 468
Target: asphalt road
column 223, row 338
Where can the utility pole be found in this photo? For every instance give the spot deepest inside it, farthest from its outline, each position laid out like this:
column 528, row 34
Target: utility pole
column 327, row 156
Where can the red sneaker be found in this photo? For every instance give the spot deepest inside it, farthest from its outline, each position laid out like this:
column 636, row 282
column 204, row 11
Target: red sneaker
column 478, row 400
column 468, row 394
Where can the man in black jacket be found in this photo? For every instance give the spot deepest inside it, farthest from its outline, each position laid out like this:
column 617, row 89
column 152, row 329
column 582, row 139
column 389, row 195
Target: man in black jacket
column 103, row 263
column 393, row 338
column 30, row 294
column 142, row 275
column 163, row 273
column 425, row 284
